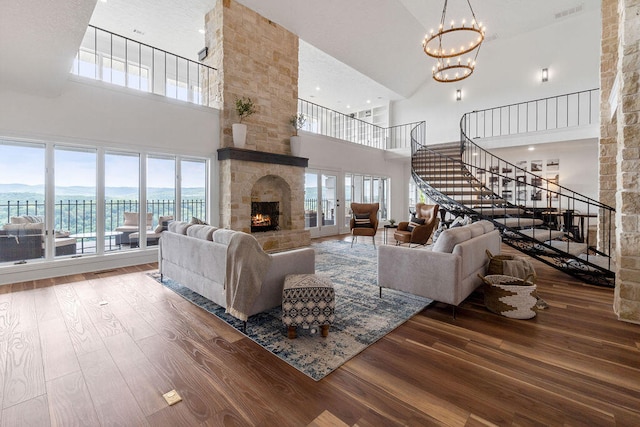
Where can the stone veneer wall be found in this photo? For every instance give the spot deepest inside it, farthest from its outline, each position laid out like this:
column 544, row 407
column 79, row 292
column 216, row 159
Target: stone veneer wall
column 621, row 57
column 258, row 59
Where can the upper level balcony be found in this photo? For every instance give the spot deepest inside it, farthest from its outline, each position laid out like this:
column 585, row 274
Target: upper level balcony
column 115, row 59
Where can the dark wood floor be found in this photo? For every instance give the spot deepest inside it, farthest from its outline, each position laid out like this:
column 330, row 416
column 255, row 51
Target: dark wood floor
column 101, row 349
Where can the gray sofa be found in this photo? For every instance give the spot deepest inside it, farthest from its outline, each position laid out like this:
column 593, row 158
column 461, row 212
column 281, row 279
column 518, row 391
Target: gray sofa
column 448, row 270
column 196, row 256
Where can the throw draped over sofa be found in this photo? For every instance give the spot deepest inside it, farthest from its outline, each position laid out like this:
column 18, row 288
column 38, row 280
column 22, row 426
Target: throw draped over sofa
column 364, row 220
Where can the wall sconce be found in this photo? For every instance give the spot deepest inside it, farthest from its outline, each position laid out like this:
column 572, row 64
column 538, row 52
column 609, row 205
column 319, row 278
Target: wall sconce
column 545, row 75
column 458, row 95
column 203, row 53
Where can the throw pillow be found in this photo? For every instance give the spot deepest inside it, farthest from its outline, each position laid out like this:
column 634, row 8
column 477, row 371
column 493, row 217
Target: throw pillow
column 414, row 223
column 436, row 233
column 195, row 220
column 162, row 223
column 362, row 220
column 131, row 218
column 458, row 222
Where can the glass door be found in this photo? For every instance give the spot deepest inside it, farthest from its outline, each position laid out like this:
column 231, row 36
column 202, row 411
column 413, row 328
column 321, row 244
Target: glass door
column 322, row 203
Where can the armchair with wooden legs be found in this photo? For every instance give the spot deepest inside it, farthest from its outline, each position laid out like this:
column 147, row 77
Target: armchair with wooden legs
column 414, row 233
column 364, row 221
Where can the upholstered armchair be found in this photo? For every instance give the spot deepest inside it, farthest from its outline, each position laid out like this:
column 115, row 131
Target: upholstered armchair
column 419, row 229
column 364, row 220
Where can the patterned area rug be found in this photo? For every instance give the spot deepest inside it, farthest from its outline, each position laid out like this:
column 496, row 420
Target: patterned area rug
column 361, row 317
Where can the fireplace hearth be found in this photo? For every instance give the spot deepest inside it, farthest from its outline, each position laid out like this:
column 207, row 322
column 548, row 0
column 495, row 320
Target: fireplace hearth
column 264, row 216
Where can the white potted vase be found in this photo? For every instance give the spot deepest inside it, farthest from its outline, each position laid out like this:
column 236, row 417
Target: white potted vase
column 296, row 145
column 239, row 131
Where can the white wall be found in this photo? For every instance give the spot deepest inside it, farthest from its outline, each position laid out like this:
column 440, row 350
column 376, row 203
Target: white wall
column 100, row 114
column 578, row 167
column 340, row 156
column 508, row 71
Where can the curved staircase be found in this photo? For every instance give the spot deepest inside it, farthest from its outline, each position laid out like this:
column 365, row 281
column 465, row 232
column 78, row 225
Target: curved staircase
column 465, row 180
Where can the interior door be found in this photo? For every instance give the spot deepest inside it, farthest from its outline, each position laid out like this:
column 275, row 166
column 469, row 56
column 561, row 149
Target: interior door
column 322, row 203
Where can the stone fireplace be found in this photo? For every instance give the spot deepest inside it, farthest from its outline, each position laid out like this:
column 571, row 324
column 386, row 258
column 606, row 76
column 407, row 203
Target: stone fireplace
column 253, row 178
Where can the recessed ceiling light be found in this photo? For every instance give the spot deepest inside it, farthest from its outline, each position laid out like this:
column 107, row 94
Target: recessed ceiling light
column 368, row 101
column 317, row 88
column 531, row 148
column 348, row 106
column 201, row 31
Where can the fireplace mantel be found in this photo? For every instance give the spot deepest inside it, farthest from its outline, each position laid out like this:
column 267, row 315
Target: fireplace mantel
column 233, row 153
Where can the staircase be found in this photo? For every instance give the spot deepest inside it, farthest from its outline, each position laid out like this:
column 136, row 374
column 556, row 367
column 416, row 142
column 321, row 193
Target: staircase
column 465, row 180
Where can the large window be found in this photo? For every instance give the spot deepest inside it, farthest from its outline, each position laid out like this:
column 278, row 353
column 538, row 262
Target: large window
column 193, row 188
column 22, row 195
column 94, row 205
column 367, row 189
column 121, row 196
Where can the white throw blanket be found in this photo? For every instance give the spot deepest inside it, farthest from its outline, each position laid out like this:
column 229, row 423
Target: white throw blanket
column 247, row 265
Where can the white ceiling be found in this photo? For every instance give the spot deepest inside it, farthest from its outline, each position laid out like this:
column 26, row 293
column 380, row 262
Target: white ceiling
column 353, row 51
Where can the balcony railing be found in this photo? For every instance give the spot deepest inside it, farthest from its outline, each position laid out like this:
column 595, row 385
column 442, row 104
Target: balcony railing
column 115, row 59
column 80, row 216
column 557, row 112
column 328, row 122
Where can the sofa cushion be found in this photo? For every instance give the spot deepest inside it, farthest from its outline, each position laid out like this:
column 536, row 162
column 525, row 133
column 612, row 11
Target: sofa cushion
column 25, row 228
column 179, row 227
column 201, row 231
column 222, row 236
column 476, row 229
column 488, row 226
column 415, row 222
column 131, row 218
column 362, row 220
column 448, row 239
column 26, row 219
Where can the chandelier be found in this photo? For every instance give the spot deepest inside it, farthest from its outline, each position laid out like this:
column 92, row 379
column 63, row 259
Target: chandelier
column 452, row 65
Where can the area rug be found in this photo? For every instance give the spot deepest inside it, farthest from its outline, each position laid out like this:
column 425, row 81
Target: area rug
column 361, row 316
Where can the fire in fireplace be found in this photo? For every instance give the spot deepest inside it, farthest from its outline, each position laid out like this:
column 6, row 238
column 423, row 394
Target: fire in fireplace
column 264, row 216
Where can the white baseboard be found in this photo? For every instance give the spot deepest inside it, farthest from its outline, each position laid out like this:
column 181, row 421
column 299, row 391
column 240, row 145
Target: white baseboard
column 43, row 269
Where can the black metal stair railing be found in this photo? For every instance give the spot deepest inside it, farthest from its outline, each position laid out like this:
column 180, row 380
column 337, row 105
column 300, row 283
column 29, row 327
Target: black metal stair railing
column 538, row 220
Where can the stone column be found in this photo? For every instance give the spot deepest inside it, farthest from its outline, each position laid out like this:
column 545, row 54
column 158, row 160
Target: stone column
column 257, row 59
column 608, row 147
column 627, row 293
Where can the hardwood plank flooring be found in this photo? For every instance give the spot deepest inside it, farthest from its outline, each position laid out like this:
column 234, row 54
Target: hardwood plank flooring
column 101, row 348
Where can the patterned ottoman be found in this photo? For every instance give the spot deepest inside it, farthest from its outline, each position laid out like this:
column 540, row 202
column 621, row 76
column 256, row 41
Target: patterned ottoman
column 307, row 300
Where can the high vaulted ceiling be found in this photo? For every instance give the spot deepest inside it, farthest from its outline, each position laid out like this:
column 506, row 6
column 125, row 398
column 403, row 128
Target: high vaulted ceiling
column 352, row 51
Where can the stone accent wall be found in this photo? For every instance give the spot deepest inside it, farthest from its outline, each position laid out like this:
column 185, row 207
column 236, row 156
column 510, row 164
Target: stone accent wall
column 257, row 59
column 627, row 196
column 608, row 144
